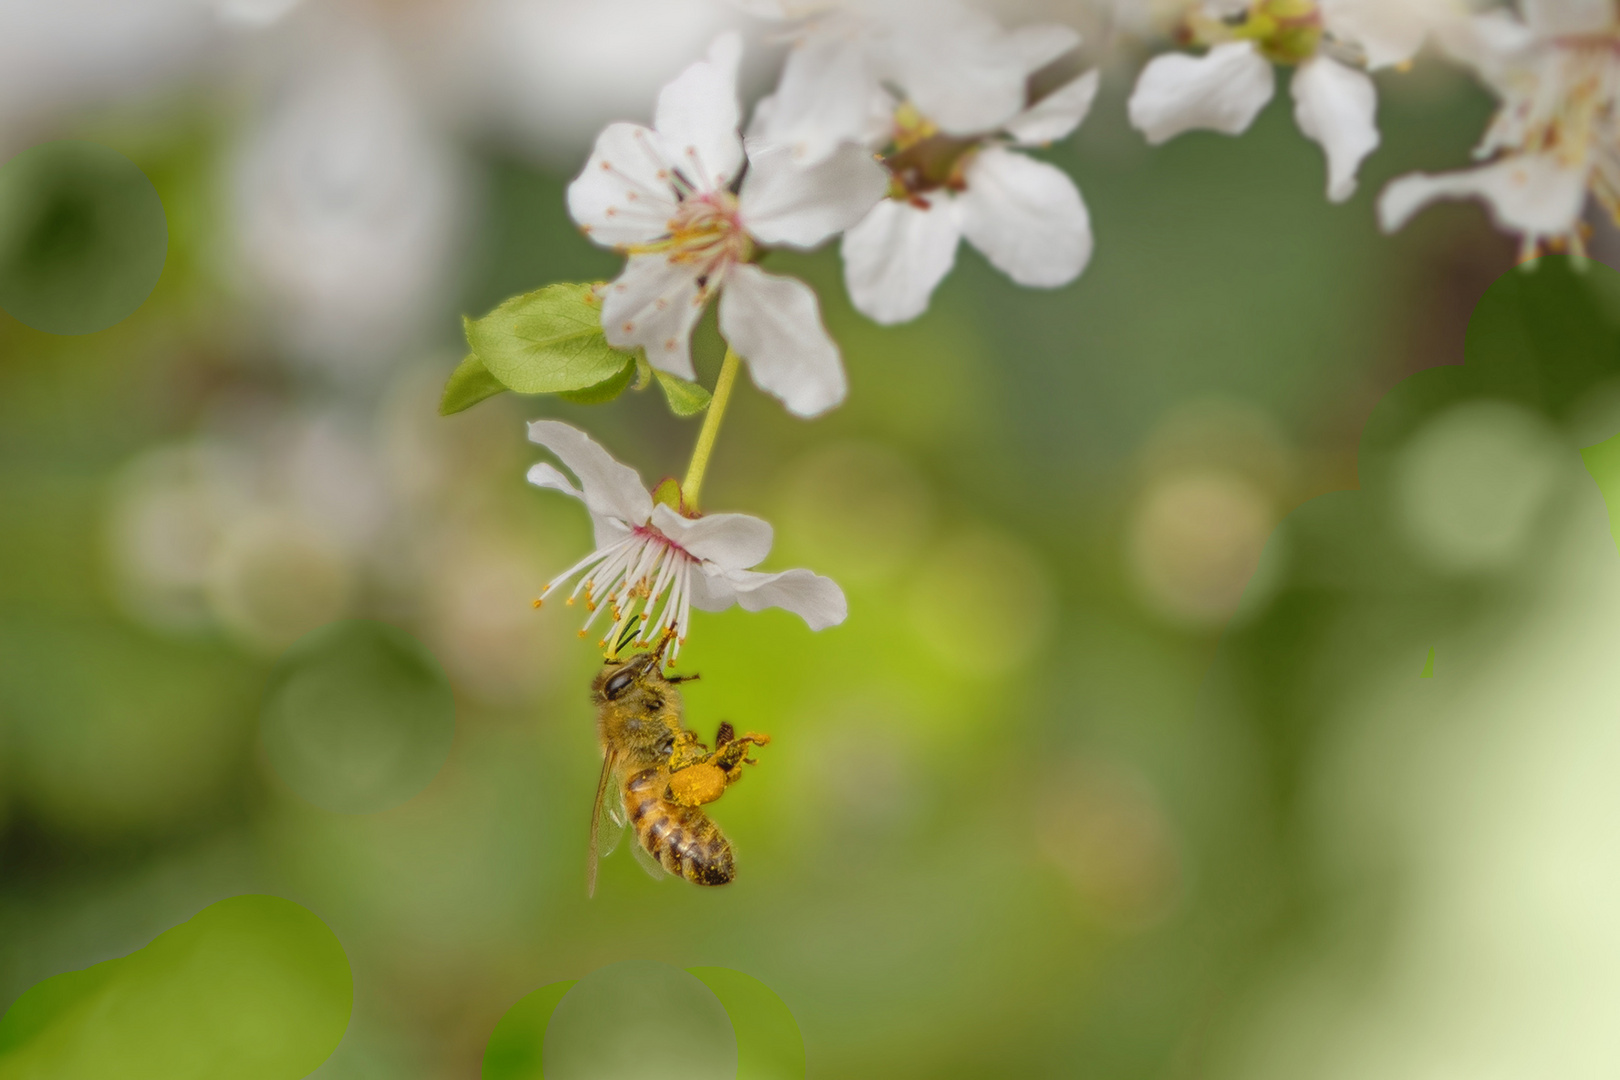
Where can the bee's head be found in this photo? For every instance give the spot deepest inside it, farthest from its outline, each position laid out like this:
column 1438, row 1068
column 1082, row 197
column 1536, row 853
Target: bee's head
column 636, row 684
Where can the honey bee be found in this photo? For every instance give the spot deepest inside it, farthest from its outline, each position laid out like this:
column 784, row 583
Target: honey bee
column 656, row 775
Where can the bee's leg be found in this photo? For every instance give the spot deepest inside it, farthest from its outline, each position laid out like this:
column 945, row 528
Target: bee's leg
column 706, row 779
column 687, row 751
column 730, row 756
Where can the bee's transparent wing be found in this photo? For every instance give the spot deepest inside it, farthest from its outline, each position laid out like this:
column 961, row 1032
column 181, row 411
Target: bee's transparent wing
column 654, row 868
column 607, row 819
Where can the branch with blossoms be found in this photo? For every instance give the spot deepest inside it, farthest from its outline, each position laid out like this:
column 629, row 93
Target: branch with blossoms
column 902, row 128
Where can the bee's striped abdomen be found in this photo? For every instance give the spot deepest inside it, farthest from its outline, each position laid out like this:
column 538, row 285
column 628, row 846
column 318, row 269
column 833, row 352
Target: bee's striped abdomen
column 681, row 838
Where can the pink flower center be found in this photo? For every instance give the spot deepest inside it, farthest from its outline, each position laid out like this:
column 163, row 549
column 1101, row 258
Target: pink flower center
column 650, row 535
column 706, row 230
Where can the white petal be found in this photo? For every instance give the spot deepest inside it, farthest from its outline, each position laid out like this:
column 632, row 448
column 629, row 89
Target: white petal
column 1532, row 195
column 1037, row 46
column 1334, row 106
column 1388, row 31
column 712, row 589
column 898, row 254
column 1223, row 91
column 1027, row 217
column 822, row 100
column 784, row 201
column 1495, row 44
column 654, row 303
column 698, row 115
column 960, row 69
column 544, row 474
column 609, row 529
column 1561, row 18
column 1056, row 114
column 730, row 541
column 815, row 599
column 774, row 323
column 610, row 488
column 623, row 196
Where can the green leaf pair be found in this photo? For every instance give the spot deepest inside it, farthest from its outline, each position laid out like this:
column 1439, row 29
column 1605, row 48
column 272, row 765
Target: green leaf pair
column 550, row 341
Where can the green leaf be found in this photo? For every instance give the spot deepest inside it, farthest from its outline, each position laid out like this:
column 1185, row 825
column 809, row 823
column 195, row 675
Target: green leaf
column 254, row 987
column 469, row 384
column 606, row 390
column 547, row 341
column 517, row 1046
column 685, row 398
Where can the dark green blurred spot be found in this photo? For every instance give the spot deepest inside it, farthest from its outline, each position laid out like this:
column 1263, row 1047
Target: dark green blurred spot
column 1428, row 666
column 769, row 1045
column 83, row 237
column 517, row 1045
column 358, row 717
column 640, row 1018
column 253, row 987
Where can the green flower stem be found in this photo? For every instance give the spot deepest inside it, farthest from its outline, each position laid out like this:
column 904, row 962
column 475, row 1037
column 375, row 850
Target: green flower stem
column 711, row 427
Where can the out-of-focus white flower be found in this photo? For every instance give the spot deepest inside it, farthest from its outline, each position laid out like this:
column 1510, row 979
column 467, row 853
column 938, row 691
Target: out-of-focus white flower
column 70, row 53
column 347, row 209
column 955, row 64
column 1334, row 102
column 1026, row 216
column 554, row 72
column 668, row 197
column 266, row 533
column 1556, row 135
column 653, row 564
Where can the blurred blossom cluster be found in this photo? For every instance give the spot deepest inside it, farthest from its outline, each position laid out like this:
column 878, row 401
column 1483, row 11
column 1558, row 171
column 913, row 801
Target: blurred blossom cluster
column 277, row 520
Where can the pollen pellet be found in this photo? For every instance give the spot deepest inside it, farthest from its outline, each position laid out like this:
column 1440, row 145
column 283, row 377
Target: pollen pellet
column 697, row 784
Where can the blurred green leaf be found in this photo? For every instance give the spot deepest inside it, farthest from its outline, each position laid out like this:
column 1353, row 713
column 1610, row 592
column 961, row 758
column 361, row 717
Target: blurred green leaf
column 253, row 987
column 769, row 1044
column 685, row 398
column 516, row 1047
column 607, row 389
column 547, row 341
column 469, row 384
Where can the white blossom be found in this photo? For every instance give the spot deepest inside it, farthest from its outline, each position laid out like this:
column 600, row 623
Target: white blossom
column 955, row 64
column 1026, row 216
column 1556, row 135
column 1326, row 41
column 653, row 563
column 669, row 197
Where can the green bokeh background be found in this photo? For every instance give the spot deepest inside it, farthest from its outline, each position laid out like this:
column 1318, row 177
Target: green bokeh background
column 978, row 844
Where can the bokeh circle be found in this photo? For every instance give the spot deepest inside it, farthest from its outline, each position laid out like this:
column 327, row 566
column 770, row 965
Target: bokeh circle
column 83, row 237
column 358, row 717
column 640, row 1018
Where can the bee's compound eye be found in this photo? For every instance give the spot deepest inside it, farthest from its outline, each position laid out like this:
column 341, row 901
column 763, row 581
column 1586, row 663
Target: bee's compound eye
column 618, row 684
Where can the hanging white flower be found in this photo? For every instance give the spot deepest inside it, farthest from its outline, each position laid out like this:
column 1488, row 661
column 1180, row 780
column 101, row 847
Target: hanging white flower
column 668, row 196
column 1334, row 102
column 653, row 563
column 956, row 65
column 1556, row 135
column 1024, row 215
